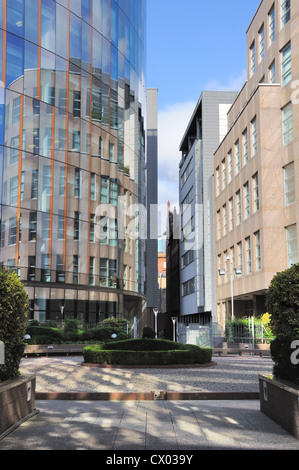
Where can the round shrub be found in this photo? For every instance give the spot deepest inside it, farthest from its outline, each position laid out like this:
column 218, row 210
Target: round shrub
column 14, row 306
column 148, row 332
column 282, row 303
column 146, row 352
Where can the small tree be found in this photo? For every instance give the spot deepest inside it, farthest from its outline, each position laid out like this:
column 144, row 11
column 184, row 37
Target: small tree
column 14, row 305
column 282, row 303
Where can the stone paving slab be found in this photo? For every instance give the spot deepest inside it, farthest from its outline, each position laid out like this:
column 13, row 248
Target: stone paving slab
column 174, row 426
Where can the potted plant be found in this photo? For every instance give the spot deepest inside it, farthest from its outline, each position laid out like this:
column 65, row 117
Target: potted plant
column 279, row 392
column 17, row 393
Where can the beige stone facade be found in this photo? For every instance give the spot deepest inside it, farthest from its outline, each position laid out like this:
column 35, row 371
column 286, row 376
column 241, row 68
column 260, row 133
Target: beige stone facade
column 256, row 167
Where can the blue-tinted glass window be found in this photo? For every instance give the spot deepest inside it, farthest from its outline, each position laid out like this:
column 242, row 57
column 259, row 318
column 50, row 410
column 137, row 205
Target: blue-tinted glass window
column 114, row 63
column 15, row 17
column 2, row 115
column 86, row 10
column 31, row 20
column 105, row 55
column 105, row 18
column 48, row 25
column 75, row 37
column 114, row 22
column 61, row 31
column 85, row 44
column 14, row 58
column 97, row 14
column 75, row 6
column 1, row 13
column 30, row 66
column 97, row 52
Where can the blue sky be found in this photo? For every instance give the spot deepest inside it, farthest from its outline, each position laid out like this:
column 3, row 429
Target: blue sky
column 192, row 46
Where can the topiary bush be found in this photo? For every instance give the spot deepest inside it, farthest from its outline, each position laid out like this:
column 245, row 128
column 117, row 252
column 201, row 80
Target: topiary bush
column 282, row 302
column 146, row 352
column 14, row 307
column 148, row 332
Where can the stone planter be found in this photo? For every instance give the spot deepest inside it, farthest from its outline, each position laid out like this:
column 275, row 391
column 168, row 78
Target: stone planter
column 279, row 400
column 17, row 402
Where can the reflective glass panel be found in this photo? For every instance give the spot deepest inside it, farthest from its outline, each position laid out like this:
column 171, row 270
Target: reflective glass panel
column 48, row 25
column 15, row 17
column 14, row 58
column 31, row 21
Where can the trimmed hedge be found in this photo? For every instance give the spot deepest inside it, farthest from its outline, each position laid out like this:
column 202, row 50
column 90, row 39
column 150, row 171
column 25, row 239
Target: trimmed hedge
column 146, row 352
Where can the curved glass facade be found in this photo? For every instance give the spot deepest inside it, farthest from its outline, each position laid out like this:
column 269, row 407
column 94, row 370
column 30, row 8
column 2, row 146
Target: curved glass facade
column 72, row 153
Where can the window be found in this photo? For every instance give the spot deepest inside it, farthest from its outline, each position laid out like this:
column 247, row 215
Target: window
column 31, row 268
column 231, row 214
column 240, row 256
column 289, row 184
column 60, row 275
column 76, row 141
column 258, row 264
column 76, row 225
column 77, row 182
column 32, row 225
column 248, row 255
column 104, row 189
column 189, row 287
column 91, row 271
column 246, row 200
column 61, row 180
column 111, row 152
column 237, row 156
column 271, row 17
column 103, row 272
column 112, row 232
column 112, row 273
column 218, row 180
column 230, row 166
column 261, row 43
column 287, row 124
column 76, row 103
column 45, row 271
column 245, row 147
column 45, row 216
column 2, row 233
column 34, row 184
column 12, row 235
column 223, row 174
column 272, row 73
column 252, row 59
column 254, row 136
column 224, row 211
column 286, row 64
column 113, row 192
column 75, row 269
column 13, row 190
column 187, row 258
column 256, row 203
column 93, row 187
column 285, row 12
column 238, row 205
column 92, row 228
column 60, row 224
column 292, row 246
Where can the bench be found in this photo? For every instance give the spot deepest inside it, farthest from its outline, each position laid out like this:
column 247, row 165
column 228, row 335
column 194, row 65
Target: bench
column 53, row 349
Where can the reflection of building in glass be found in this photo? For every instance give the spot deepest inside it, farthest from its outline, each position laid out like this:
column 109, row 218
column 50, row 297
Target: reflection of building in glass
column 72, row 139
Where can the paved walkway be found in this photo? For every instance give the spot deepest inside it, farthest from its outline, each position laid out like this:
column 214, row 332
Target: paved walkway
column 160, row 425
column 178, row 426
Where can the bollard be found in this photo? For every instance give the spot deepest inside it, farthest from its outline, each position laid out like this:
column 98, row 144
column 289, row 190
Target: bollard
column 2, row 355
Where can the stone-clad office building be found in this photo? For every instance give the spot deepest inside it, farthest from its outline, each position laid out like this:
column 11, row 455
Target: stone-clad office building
column 256, row 167
column 72, row 140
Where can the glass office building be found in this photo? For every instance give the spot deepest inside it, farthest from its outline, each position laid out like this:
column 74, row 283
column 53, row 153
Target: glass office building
column 72, row 154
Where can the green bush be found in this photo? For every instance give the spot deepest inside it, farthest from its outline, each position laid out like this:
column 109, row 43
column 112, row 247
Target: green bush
column 14, row 306
column 148, row 332
column 103, row 334
column 45, row 334
column 282, row 302
column 146, row 352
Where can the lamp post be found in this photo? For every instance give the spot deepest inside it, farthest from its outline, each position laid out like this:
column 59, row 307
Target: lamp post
column 173, row 322
column 156, row 311
column 237, row 271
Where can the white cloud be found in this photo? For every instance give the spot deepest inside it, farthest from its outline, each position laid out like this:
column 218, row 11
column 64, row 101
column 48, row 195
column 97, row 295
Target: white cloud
column 172, row 123
column 234, row 83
